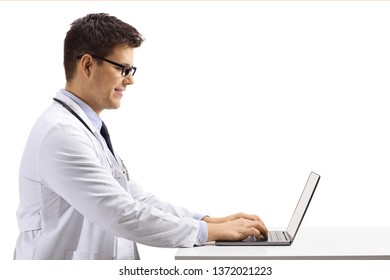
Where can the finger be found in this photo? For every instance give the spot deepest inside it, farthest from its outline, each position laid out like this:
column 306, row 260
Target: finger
column 249, row 217
column 256, row 218
column 261, row 228
column 253, row 217
column 264, row 231
column 252, row 231
column 259, row 219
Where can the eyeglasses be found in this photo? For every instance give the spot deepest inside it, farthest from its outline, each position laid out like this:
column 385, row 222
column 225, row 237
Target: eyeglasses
column 126, row 69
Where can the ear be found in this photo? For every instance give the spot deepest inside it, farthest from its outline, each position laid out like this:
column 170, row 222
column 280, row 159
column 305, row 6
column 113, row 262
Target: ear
column 86, row 65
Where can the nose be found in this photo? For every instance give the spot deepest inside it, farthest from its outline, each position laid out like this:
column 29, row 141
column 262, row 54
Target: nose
column 128, row 80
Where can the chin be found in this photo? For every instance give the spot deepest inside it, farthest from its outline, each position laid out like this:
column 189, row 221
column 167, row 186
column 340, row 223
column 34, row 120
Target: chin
column 117, row 105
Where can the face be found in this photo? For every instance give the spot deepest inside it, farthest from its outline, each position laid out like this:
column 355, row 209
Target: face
column 106, row 85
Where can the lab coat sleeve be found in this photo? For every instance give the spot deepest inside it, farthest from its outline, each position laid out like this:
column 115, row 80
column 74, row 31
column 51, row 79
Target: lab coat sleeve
column 139, row 194
column 69, row 165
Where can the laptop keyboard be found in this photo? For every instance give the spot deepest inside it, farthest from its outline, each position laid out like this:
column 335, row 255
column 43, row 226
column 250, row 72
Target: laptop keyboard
column 272, row 236
column 276, row 236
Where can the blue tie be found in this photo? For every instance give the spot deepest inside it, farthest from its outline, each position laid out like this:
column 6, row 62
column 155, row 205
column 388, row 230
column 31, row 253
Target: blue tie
column 106, row 136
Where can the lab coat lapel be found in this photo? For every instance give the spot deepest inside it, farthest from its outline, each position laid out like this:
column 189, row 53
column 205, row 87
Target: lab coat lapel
column 79, row 112
column 116, row 167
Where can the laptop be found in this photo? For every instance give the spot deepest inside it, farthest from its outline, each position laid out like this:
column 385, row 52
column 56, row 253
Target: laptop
column 283, row 238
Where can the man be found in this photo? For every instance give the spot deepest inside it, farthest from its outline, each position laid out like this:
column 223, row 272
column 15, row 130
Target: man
column 77, row 200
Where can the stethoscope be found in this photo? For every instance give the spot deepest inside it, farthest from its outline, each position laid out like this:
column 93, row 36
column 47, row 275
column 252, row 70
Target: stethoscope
column 66, row 106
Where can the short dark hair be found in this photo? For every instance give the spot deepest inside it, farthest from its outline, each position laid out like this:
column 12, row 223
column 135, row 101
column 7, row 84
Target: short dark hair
column 96, row 34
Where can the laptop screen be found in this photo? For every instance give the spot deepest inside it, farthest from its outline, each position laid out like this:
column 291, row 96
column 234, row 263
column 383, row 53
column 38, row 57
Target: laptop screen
column 303, row 204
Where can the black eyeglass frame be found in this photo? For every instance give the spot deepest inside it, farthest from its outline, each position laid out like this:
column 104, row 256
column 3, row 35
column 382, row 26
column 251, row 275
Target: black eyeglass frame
column 126, row 69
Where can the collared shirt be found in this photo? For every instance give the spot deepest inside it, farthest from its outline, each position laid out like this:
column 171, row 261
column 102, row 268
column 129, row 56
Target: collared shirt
column 91, row 114
column 97, row 123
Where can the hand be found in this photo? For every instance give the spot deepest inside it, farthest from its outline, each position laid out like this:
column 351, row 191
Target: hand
column 236, row 229
column 232, row 217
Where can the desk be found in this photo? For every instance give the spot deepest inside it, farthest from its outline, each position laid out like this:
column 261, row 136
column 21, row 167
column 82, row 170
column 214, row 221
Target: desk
column 338, row 243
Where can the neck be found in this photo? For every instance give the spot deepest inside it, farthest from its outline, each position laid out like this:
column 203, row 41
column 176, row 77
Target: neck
column 79, row 93
column 74, row 91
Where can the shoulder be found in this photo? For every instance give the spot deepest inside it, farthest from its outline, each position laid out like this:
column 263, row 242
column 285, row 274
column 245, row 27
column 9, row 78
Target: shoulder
column 57, row 129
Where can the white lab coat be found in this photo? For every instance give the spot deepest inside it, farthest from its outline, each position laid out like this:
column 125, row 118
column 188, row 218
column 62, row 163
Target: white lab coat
column 76, row 201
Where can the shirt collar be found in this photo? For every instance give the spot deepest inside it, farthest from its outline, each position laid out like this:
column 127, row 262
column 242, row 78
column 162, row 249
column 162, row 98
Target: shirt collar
column 91, row 114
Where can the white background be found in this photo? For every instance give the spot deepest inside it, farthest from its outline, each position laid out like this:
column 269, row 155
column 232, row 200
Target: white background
column 233, row 105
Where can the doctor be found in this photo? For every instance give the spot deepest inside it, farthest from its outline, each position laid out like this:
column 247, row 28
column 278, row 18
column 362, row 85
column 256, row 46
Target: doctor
column 77, row 200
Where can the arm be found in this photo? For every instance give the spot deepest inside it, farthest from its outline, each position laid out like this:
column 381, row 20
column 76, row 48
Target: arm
column 216, row 228
column 139, row 194
column 68, row 164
